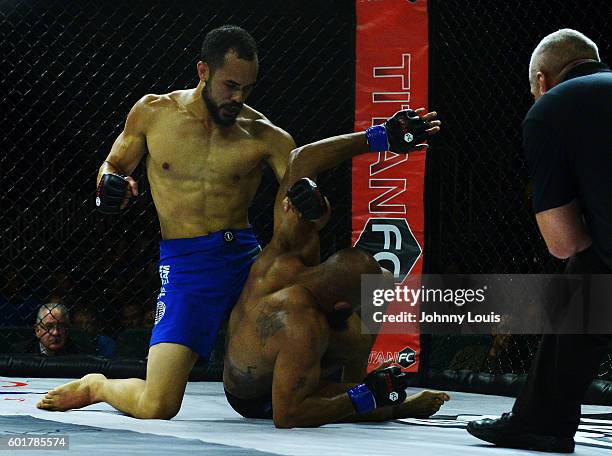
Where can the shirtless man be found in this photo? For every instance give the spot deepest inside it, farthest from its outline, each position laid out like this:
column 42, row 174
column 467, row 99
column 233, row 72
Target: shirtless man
column 295, row 316
column 205, row 152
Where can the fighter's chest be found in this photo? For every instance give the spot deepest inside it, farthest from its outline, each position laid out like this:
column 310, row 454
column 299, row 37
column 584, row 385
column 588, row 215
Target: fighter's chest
column 186, row 149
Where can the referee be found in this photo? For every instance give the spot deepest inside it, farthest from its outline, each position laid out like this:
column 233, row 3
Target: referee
column 567, row 138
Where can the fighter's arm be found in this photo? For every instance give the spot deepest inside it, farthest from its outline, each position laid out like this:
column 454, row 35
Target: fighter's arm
column 279, row 144
column 129, row 147
column 312, row 159
column 297, row 374
column 339, row 147
column 300, row 399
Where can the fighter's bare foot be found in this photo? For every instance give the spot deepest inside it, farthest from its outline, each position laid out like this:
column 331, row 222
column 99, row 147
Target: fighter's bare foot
column 73, row 395
column 421, row 405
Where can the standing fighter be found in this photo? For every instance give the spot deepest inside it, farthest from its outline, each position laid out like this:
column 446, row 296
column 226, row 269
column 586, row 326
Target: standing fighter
column 205, row 150
column 295, row 315
column 570, row 158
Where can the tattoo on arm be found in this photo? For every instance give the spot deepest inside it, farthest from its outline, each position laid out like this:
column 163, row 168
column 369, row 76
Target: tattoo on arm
column 239, row 376
column 301, row 383
column 268, row 324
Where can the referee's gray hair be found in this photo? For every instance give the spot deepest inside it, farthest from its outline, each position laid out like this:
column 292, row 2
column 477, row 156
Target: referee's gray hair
column 559, row 49
column 47, row 308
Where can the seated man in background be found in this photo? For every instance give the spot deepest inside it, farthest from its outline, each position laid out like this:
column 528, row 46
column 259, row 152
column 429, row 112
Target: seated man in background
column 86, row 319
column 295, row 316
column 132, row 316
column 62, row 286
column 18, row 302
column 51, row 333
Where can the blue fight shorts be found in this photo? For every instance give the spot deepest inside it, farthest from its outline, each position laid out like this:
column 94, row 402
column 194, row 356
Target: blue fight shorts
column 201, row 280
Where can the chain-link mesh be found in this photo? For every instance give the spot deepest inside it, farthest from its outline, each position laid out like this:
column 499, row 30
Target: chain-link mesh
column 479, row 217
column 71, row 72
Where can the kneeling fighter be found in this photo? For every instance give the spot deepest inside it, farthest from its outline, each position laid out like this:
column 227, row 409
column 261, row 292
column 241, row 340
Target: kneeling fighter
column 294, row 318
column 204, row 151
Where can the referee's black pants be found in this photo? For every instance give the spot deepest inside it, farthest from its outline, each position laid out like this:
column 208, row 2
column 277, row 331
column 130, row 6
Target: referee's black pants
column 563, row 368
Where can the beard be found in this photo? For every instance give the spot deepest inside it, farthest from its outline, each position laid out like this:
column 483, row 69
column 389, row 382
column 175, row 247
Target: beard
column 215, row 110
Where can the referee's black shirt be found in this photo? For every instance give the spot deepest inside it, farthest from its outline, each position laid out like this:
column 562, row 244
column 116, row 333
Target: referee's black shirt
column 567, row 138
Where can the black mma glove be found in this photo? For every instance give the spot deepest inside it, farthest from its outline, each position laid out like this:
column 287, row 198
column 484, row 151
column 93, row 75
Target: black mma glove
column 111, row 192
column 400, row 133
column 307, row 199
column 381, row 387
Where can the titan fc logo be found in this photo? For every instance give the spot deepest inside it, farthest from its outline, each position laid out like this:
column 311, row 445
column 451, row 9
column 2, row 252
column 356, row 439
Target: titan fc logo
column 407, row 357
column 391, row 242
column 164, row 275
column 160, row 311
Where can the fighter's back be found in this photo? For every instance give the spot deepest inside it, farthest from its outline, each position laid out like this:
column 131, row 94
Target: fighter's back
column 270, row 302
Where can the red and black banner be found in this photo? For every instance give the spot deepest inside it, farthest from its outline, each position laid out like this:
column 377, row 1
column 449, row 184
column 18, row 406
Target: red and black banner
column 387, row 210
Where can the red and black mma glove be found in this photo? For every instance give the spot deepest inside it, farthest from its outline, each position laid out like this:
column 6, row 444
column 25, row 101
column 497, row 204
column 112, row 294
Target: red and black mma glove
column 111, row 192
column 381, row 387
column 400, row 133
column 307, row 199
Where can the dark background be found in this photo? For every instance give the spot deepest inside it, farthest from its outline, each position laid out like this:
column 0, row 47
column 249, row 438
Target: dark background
column 73, row 73
column 72, row 70
column 479, row 202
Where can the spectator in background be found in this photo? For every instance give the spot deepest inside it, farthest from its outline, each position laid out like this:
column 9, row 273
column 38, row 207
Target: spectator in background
column 132, row 316
column 143, row 279
column 86, row 319
column 51, row 333
column 63, row 284
column 17, row 302
column 148, row 320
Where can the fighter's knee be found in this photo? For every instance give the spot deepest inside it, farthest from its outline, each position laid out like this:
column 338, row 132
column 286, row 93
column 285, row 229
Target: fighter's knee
column 283, row 421
column 158, row 409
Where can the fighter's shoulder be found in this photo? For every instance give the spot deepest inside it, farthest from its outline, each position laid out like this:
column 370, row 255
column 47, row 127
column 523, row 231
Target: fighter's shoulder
column 297, row 295
column 153, row 102
column 263, row 128
column 249, row 113
column 150, row 105
column 301, row 306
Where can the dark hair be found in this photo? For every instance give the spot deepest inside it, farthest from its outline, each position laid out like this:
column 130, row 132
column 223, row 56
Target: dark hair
column 219, row 41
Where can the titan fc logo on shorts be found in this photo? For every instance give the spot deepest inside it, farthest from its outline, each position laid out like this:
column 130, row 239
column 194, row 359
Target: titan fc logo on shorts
column 164, row 275
column 391, row 242
column 160, row 311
